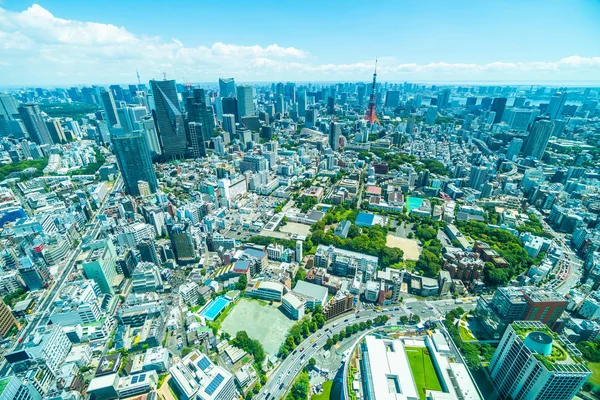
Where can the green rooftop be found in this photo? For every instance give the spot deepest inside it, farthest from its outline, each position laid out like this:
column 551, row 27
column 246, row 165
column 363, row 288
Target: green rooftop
column 3, row 383
column 565, row 356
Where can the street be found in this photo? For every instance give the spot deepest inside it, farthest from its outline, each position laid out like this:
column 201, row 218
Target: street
column 41, row 317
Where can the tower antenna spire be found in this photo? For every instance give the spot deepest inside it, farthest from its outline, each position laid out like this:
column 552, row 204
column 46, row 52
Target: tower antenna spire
column 371, row 115
column 138, row 76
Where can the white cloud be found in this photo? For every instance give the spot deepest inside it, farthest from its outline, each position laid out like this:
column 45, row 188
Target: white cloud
column 37, row 47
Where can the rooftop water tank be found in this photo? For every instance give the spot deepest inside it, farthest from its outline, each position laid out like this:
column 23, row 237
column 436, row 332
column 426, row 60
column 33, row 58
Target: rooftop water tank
column 539, row 342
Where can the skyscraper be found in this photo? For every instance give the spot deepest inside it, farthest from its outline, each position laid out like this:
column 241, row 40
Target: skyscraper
column 229, row 124
column 169, row 119
column 555, row 107
column 226, row 87
column 245, row 101
column 478, row 176
column 524, row 365
column 198, row 111
column 196, row 130
column 135, row 161
column 110, row 108
column 35, row 124
column 290, row 92
column 514, row 148
column 498, row 106
column 230, row 107
column 56, row 131
column 334, row 135
column 443, row 98
column 538, row 138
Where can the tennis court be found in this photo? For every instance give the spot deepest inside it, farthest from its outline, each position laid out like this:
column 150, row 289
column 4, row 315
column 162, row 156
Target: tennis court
column 215, row 308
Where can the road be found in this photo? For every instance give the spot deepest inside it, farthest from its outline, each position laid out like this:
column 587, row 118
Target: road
column 282, row 378
column 569, row 256
column 285, row 374
column 41, row 316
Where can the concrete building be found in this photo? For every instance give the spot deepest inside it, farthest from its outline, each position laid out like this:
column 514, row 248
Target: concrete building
column 315, row 295
column 387, row 373
column 7, row 320
column 196, row 377
column 522, row 366
column 293, row 305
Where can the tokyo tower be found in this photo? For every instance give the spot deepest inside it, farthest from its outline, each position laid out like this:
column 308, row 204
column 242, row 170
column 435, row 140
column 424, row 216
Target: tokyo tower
column 371, row 115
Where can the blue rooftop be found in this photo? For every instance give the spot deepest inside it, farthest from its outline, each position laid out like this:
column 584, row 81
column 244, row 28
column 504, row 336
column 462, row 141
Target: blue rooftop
column 255, row 253
column 365, row 219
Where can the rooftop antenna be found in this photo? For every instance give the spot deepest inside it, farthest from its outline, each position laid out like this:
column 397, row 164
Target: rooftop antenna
column 164, row 76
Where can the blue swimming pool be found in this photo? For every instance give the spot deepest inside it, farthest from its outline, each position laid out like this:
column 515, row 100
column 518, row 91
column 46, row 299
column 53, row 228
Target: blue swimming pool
column 215, row 308
column 413, row 202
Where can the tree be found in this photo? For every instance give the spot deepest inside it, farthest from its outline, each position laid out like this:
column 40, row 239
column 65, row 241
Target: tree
column 329, row 343
column 312, row 362
column 242, row 282
column 185, row 351
column 404, row 319
column 391, row 256
column 201, row 300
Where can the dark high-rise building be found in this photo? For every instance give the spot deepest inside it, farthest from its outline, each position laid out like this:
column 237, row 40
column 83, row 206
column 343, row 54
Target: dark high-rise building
column 538, row 138
column 230, row 107
column 227, row 87
column 135, row 162
column 35, row 124
column 334, row 135
column 519, row 102
column 183, row 246
column 443, row 98
column 290, row 92
column 198, row 111
column 471, row 102
column 147, row 249
column 498, row 106
column 486, row 102
column 110, row 109
column 555, row 107
column 117, row 92
column 56, row 131
column 330, row 105
column 197, row 136
column 169, row 119
column 392, row 98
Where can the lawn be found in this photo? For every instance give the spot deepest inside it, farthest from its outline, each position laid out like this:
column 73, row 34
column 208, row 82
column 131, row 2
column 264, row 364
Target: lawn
column 422, row 370
column 595, row 368
column 465, row 334
column 324, row 395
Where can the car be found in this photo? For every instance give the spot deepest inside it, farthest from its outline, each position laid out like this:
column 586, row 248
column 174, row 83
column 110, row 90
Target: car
column 409, row 307
column 346, row 320
column 302, row 349
column 358, row 316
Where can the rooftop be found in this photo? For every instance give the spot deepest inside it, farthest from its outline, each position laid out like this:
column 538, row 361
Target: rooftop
column 564, row 355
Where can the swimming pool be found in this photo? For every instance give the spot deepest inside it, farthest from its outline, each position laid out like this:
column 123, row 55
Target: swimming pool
column 413, row 202
column 215, row 308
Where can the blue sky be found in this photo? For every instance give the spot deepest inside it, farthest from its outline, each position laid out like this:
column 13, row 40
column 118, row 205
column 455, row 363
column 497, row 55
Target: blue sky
column 72, row 42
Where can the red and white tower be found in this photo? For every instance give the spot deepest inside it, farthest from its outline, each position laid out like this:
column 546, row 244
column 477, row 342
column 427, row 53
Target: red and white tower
column 371, row 115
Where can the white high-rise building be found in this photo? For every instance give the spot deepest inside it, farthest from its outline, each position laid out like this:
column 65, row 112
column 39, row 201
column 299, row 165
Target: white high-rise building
column 532, row 362
column 298, row 251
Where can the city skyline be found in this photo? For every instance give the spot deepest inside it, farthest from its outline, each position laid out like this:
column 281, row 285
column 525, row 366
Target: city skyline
column 56, row 44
